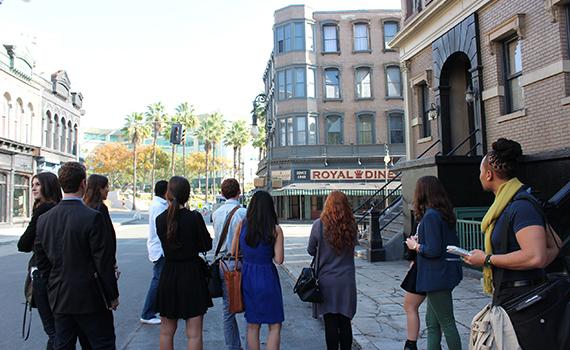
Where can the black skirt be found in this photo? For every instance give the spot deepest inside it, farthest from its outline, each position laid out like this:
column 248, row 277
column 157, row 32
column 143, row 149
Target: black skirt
column 183, row 290
column 409, row 282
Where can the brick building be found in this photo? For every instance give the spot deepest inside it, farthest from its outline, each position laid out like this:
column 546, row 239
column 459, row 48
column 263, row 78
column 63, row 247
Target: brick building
column 477, row 70
column 335, row 106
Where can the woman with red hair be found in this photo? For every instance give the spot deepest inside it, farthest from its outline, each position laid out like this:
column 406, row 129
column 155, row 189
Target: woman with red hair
column 335, row 235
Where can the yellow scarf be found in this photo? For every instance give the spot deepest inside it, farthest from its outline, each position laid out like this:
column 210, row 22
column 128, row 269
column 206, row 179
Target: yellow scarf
column 503, row 196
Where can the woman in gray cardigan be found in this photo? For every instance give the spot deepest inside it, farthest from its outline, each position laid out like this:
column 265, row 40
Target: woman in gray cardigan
column 335, row 235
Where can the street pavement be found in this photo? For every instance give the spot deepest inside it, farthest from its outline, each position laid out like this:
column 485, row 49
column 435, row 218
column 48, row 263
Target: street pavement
column 380, row 321
column 300, row 330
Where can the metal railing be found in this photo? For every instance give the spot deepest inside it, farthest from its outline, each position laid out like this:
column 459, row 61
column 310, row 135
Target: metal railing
column 470, row 235
column 450, row 153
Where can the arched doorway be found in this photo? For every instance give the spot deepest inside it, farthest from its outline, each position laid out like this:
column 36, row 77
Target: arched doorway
column 457, row 123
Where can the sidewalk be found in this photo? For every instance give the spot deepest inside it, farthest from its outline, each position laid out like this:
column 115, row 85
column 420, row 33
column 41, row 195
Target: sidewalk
column 380, row 321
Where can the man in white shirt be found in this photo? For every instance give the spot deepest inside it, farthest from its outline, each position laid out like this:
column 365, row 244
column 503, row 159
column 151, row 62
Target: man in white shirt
column 155, row 253
column 231, row 191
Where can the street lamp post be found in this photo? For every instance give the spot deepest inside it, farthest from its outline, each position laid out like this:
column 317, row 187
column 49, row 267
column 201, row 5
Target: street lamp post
column 260, row 101
column 386, row 161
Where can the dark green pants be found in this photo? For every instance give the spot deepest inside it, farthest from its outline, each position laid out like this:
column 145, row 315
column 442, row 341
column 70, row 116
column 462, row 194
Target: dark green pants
column 439, row 317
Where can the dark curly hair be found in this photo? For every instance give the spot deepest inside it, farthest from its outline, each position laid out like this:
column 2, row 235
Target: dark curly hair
column 503, row 158
column 339, row 226
column 430, row 193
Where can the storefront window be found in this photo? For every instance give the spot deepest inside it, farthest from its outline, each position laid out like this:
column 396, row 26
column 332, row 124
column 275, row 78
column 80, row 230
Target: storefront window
column 21, row 196
column 3, row 197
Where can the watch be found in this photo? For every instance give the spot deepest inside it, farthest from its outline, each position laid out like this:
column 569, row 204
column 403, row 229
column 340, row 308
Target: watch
column 487, row 262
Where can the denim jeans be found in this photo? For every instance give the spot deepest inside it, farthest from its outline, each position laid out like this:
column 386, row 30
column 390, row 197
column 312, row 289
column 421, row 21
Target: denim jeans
column 439, row 317
column 149, row 309
column 231, row 330
column 42, row 303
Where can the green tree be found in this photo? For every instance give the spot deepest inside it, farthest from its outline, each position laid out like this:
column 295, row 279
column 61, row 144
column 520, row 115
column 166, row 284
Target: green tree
column 237, row 137
column 155, row 118
column 136, row 131
column 186, row 117
column 112, row 160
column 218, row 126
column 205, row 132
column 169, row 122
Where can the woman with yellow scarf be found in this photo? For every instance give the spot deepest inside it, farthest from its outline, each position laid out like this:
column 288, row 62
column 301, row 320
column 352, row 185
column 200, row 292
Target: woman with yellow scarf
column 520, row 260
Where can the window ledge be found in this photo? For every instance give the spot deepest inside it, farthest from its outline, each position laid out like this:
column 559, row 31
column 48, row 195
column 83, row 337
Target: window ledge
column 330, row 53
column 565, row 101
column 361, row 51
column 424, row 140
column 416, row 121
column 332, row 100
column 393, row 98
column 511, row 116
column 389, row 50
column 364, row 99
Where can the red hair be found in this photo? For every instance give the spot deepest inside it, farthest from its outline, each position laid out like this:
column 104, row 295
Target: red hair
column 339, row 227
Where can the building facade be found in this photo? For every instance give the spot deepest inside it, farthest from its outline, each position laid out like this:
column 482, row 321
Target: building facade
column 334, row 107
column 38, row 128
column 478, row 70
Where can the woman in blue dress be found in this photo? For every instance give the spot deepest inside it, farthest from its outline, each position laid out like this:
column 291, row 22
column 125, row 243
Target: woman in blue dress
column 261, row 245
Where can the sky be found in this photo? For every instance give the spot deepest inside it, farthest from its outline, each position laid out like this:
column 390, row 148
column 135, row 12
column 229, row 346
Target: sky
column 123, row 55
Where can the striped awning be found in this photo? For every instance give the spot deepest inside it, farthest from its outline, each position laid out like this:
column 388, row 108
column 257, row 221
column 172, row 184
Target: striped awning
column 323, row 189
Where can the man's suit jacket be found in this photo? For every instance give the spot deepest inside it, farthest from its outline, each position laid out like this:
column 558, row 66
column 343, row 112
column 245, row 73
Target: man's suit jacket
column 71, row 244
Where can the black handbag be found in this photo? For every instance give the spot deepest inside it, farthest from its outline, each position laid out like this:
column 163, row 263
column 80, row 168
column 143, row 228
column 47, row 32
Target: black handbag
column 307, row 285
column 28, row 295
column 214, row 279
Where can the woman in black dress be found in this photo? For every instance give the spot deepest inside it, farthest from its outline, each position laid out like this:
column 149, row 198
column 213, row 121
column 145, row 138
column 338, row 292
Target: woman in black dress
column 183, row 288
column 96, row 192
column 47, row 193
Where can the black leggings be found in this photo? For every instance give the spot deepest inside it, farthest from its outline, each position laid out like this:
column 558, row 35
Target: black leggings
column 338, row 330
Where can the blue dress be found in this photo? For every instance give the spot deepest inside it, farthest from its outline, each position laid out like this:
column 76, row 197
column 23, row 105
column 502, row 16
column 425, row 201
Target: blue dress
column 261, row 288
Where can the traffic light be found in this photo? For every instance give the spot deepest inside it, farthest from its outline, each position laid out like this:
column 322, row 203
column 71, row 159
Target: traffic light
column 176, row 133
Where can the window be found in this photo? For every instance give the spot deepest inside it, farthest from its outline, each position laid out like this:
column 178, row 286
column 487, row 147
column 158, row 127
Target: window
column 311, row 77
column 365, row 129
column 334, row 129
column 567, row 8
column 3, row 196
column 424, row 110
column 291, row 83
column 330, row 38
column 513, row 70
column 6, row 109
column 55, row 133
column 363, row 82
column 390, row 30
column 361, row 40
column 310, row 37
column 63, row 136
column 332, row 83
column 393, row 82
column 396, row 123
column 297, row 130
column 290, row 37
column 21, row 196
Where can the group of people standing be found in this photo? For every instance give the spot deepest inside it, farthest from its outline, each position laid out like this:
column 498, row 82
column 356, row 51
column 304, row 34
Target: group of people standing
column 75, row 272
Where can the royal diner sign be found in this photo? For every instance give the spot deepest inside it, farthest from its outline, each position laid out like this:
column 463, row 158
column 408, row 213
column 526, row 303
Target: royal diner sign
column 343, row 174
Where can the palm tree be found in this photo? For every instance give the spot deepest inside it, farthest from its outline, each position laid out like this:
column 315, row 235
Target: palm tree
column 204, row 133
column 218, row 126
column 186, row 117
column 136, row 131
column 155, row 117
column 237, row 137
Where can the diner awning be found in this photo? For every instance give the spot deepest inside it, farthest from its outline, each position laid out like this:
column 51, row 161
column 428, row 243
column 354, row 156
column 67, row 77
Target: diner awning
column 355, row 189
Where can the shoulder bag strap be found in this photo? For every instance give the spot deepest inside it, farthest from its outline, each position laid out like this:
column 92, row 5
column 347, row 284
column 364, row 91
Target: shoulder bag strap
column 235, row 253
column 224, row 234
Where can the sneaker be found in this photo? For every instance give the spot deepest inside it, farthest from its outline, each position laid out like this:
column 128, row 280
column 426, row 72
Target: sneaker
column 153, row 321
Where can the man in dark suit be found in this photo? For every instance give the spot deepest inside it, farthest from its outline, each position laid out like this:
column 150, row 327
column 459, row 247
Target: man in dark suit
column 72, row 249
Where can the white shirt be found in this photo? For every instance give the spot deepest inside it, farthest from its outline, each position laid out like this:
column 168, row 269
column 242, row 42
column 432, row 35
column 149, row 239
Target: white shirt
column 157, row 207
column 219, row 218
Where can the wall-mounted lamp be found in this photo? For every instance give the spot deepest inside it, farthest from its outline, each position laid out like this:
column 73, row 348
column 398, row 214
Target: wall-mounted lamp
column 326, row 163
column 470, row 95
column 359, row 162
column 433, row 112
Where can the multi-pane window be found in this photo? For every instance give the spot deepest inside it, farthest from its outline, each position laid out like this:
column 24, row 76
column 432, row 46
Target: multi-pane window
column 334, row 129
column 311, row 77
column 297, row 130
column 393, row 81
column 361, row 37
column 290, row 37
column 396, row 122
column 291, row 83
column 365, row 129
column 390, row 30
column 363, row 82
column 21, row 196
column 332, row 83
column 330, row 38
column 424, row 110
column 513, row 70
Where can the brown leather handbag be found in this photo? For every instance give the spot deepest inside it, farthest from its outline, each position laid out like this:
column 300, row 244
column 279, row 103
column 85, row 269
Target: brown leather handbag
column 233, row 279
